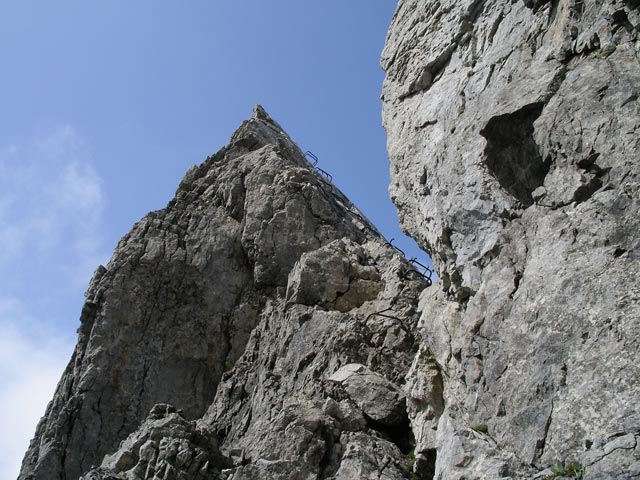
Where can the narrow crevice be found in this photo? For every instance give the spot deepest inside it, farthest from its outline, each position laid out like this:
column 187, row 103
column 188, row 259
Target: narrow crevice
column 493, row 31
column 330, row 462
column 619, row 252
column 430, row 74
column 553, row 11
column 542, row 442
column 620, row 19
column 535, row 5
column 516, row 284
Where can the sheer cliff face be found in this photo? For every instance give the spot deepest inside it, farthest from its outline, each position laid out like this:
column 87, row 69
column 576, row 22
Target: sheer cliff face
column 259, row 268
column 260, row 327
column 513, row 136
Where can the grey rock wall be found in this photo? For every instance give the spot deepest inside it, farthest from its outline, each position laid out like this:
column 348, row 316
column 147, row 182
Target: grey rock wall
column 259, row 327
column 513, row 137
column 208, row 343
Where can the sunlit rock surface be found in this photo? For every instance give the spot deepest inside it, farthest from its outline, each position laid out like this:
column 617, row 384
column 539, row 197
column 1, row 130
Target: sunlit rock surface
column 259, row 327
column 513, row 136
column 208, row 343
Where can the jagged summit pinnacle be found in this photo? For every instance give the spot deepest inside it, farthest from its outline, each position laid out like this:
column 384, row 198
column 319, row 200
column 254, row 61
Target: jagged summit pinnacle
column 260, row 130
column 261, row 114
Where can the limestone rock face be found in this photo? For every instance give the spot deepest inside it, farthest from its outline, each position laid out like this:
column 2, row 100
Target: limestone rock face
column 285, row 406
column 207, row 344
column 165, row 445
column 513, row 132
column 259, row 327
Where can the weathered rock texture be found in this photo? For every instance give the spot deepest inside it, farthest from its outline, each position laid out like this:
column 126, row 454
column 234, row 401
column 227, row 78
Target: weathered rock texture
column 513, row 132
column 209, row 345
column 259, row 327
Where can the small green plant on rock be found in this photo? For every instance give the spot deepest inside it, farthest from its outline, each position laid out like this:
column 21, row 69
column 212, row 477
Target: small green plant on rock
column 411, row 459
column 481, row 428
column 571, row 470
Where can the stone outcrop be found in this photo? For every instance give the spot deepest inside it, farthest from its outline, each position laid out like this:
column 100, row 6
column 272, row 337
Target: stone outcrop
column 259, row 327
column 208, row 343
column 513, row 134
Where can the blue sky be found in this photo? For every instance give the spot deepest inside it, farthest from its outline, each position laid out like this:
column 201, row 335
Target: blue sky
column 105, row 105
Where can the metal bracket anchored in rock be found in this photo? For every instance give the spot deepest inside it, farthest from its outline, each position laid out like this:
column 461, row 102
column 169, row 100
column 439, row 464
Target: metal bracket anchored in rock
column 426, row 272
column 381, row 313
column 314, row 164
column 310, row 155
column 390, row 243
column 350, row 208
column 419, row 268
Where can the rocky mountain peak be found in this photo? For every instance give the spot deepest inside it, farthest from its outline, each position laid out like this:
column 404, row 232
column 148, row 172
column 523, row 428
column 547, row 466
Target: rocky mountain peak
column 234, row 304
column 259, row 327
column 261, row 130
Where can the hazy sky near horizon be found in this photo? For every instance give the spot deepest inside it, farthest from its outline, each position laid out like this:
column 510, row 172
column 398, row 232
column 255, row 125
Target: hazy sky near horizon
column 105, row 105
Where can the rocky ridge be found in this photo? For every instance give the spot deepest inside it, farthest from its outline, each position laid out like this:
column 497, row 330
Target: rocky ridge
column 257, row 327
column 260, row 327
column 513, row 137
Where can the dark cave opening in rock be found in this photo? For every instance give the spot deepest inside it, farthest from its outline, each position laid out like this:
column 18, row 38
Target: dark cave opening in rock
column 399, row 433
column 425, row 467
column 402, row 436
column 512, row 155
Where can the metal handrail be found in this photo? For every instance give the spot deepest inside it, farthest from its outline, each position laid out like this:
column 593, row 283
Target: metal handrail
column 314, row 163
column 426, row 272
column 415, row 261
column 327, row 175
column 380, row 313
column 390, row 242
column 310, row 154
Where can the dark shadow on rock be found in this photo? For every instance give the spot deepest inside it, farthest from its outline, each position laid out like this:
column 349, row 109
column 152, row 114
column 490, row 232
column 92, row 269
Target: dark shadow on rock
column 511, row 154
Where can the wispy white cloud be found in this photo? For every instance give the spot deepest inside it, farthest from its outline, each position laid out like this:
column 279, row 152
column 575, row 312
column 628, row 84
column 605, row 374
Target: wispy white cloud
column 51, row 205
column 31, row 362
column 51, row 202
